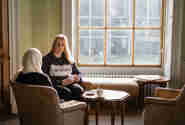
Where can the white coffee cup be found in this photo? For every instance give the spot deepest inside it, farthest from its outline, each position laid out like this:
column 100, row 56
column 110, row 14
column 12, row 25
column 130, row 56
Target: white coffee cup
column 100, row 92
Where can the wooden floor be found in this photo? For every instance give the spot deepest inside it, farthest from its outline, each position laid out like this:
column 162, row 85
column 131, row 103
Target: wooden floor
column 132, row 117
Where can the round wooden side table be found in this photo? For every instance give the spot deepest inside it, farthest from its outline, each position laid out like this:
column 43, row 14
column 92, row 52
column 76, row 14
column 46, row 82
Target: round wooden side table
column 108, row 96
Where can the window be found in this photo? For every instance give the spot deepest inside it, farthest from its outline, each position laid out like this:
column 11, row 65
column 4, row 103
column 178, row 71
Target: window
column 120, row 32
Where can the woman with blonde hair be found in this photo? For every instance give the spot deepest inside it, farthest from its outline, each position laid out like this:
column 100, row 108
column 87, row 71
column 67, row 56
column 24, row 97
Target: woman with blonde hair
column 59, row 65
column 31, row 73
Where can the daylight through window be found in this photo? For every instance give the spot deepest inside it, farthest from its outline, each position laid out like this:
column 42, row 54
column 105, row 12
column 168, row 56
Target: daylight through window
column 120, row 32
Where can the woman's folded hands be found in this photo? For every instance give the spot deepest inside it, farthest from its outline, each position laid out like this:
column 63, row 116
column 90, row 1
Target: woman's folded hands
column 71, row 79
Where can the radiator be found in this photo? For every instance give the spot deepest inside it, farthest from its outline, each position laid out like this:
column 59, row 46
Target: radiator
column 107, row 75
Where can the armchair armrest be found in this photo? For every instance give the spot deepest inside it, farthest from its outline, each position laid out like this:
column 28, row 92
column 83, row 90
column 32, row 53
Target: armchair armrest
column 159, row 100
column 167, row 92
column 72, row 106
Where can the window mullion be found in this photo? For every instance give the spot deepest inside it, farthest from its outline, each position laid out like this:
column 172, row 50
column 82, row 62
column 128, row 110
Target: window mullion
column 105, row 31
column 133, row 31
column 162, row 15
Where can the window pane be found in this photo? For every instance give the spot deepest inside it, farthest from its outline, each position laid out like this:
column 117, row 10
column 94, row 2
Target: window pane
column 84, row 12
column 148, row 12
column 120, row 13
column 147, row 47
column 91, row 47
column 92, row 12
column 119, row 47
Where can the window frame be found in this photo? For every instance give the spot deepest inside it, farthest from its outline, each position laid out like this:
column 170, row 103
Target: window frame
column 133, row 28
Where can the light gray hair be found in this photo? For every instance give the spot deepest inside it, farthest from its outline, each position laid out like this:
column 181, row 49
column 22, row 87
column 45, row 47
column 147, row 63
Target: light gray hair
column 32, row 60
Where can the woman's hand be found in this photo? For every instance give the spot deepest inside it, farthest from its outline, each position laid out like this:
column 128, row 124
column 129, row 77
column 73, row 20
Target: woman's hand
column 67, row 81
column 71, row 79
column 76, row 78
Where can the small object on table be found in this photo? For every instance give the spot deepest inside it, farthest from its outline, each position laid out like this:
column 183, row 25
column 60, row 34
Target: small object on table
column 99, row 92
column 90, row 94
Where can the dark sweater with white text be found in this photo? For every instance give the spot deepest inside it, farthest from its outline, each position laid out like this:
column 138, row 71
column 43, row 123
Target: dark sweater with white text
column 58, row 68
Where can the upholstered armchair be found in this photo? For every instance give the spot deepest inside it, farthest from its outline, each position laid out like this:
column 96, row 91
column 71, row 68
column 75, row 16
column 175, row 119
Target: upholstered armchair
column 40, row 105
column 167, row 107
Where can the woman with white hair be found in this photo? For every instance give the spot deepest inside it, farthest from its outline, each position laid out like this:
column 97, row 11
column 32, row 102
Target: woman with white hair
column 32, row 72
column 60, row 66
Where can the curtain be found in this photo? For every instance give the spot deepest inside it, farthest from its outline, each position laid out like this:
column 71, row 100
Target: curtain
column 168, row 39
column 66, row 19
column 177, row 40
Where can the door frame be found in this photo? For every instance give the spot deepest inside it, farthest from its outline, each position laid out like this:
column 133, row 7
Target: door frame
column 4, row 56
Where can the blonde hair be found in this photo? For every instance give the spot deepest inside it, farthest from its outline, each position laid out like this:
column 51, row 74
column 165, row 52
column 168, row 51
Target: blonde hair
column 32, row 61
column 67, row 51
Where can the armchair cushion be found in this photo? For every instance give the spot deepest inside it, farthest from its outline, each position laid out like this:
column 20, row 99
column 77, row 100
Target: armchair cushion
column 124, row 84
column 73, row 105
column 166, row 92
column 159, row 100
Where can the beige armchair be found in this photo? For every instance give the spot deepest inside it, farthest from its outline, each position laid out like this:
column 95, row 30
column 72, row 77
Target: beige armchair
column 40, row 105
column 167, row 107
